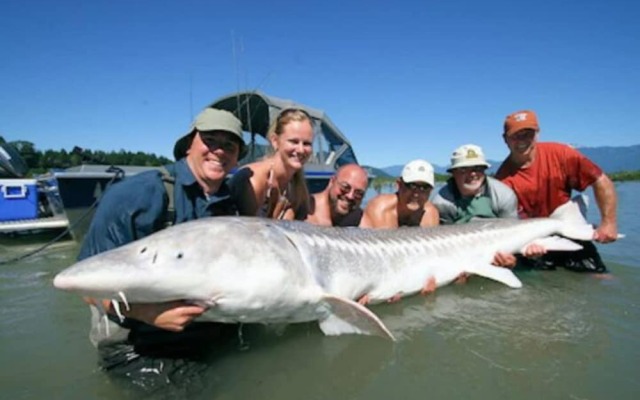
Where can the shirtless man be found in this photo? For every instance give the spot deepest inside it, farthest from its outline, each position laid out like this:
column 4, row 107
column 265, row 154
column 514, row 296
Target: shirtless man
column 410, row 205
column 339, row 203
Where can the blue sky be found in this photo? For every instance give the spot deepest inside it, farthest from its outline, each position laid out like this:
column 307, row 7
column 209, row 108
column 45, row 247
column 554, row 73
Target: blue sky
column 402, row 79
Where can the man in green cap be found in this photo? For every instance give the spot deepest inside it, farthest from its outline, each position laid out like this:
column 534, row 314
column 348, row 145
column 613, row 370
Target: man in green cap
column 155, row 340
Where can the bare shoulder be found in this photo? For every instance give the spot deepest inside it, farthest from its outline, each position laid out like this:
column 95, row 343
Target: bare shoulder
column 381, row 212
column 429, row 207
column 382, row 202
column 318, row 209
column 260, row 174
column 259, row 167
column 431, row 216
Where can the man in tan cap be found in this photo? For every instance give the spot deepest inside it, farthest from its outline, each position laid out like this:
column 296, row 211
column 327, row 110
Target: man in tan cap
column 470, row 194
column 410, row 205
column 339, row 203
column 145, row 345
column 543, row 175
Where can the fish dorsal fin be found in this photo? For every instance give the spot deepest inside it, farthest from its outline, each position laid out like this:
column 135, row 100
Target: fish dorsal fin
column 347, row 316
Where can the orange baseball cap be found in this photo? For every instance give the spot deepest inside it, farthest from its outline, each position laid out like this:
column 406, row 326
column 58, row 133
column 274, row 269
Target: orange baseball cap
column 519, row 120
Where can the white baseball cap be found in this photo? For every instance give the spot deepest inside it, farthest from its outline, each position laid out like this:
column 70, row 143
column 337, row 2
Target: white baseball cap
column 468, row 155
column 418, row 171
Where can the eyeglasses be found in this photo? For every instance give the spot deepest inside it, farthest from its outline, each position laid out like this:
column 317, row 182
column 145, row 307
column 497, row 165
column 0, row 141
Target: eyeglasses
column 346, row 188
column 219, row 140
column 417, row 187
column 525, row 134
column 478, row 169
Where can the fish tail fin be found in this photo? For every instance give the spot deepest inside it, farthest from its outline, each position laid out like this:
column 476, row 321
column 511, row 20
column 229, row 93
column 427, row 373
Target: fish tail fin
column 347, row 316
column 574, row 224
column 499, row 274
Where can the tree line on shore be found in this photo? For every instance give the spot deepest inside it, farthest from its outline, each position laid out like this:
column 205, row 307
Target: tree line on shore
column 40, row 161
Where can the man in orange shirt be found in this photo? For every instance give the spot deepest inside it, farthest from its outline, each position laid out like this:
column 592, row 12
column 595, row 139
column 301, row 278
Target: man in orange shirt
column 543, row 174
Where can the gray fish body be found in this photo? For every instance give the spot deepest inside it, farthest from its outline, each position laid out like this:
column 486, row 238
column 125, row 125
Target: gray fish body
column 354, row 262
column 260, row 270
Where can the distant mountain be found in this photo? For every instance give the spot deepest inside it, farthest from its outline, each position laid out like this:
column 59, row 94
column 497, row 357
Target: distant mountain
column 614, row 159
column 393, row 170
column 610, row 159
column 378, row 173
column 396, row 170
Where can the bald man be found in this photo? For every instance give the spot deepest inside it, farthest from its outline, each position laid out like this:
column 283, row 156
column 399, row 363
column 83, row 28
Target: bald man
column 339, row 203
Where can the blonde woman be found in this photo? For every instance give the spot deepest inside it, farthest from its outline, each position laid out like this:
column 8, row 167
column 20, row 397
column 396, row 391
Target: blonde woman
column 275, row 186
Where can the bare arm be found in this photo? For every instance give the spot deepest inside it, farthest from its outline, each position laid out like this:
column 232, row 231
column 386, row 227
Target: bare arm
column 605, row 194
column 289, row 214
column 171, row 316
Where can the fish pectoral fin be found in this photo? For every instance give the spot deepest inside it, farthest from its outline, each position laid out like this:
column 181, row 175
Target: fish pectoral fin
column 347, row 316
column 499, row 274
column 555, row 243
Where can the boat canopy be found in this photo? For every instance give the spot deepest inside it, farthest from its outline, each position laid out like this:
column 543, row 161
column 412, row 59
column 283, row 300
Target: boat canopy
column 12, row 165
column 257, row 111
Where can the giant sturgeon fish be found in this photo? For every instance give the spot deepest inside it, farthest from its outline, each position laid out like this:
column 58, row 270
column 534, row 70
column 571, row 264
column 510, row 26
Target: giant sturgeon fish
column 260, row 270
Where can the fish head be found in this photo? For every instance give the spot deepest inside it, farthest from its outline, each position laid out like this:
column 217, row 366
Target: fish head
column 202, row 260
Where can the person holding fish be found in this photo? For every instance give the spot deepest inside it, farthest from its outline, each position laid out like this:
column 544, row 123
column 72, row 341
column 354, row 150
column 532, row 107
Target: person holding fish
column 410, row 205
column 339, row 203
column 147, row 343
column 470, row 194
column 543, row 176
column 275, row 186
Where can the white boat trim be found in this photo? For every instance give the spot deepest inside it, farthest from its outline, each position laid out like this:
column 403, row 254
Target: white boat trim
column 55, row 222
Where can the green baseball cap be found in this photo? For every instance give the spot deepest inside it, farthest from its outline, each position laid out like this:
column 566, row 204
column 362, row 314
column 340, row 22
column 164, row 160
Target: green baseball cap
column 211, row 119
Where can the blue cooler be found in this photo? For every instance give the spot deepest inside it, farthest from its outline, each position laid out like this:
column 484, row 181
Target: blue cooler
column 18, row 199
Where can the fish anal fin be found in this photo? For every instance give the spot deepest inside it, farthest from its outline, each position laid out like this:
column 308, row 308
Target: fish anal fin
column 347, row 316
column 499, row 274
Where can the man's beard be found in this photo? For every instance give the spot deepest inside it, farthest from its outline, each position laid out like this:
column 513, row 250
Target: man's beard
column 334, row 201
column 473, row 186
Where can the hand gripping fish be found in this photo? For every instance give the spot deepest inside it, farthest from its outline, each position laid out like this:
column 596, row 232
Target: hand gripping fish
column 260, row 270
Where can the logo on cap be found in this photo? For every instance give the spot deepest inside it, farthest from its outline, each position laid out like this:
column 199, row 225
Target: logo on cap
column 472, row 154
column 520, row 117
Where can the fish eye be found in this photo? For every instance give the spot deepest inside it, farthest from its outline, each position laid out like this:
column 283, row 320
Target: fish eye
column 180, row 255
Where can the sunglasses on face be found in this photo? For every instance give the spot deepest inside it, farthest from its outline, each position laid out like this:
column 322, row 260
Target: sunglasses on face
column 216, row 141
column 526, row 134
column 346, row 188
column 417, row 187
column 467, row 170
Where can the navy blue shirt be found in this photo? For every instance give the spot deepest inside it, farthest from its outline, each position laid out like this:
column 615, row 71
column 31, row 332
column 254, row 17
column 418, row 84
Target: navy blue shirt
column 130, row 210
column 137, row 207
